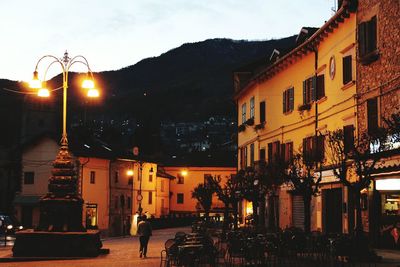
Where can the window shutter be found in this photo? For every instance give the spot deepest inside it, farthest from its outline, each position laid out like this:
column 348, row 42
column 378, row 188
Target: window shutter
column 284, row 101
column 361, row 39
column 277, row 148
column 269, row 152
column 305, row 92
column 313, row 88
column 262, row 111
column 372, row 34
column 320, row 148
column 348, row 136
column 305, row 148
column 289, row 151
column 320, row 86
column 347, row 69
column 372, row 114
column 283, row 152
column 262, row 154
column 291, row 98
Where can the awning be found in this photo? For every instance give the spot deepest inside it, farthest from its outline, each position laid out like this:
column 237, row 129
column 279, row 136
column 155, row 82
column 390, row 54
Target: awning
column 26, row 200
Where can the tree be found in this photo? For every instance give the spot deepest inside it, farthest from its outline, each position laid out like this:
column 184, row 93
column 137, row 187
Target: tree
column 203, row 193
column 228, row 195
column 353, row 162
column 300, row 173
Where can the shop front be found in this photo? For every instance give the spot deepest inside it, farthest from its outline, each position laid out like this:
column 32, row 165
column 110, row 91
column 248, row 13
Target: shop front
column 386, row 214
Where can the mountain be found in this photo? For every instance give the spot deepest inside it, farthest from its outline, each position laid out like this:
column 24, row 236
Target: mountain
column 190, row 83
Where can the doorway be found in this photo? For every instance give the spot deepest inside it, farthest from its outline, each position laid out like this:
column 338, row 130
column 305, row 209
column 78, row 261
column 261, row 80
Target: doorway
column 332, row 210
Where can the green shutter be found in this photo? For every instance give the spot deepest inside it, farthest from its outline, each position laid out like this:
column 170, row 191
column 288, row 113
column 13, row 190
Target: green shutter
column 313, row 88
column 305, row 92
column 284, row 101
column 291, row 98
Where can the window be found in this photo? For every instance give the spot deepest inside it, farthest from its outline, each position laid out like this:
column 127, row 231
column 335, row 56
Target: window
column 129, row 202
column 320, row 86
column 180, row 178
column 347, row 69
column 252, row 155
column 367, row 36
column 29, row 177
column 130, row 181
column 313, row 149
column 252, row 107
column 313, row 89
column 162, row 186
column 372, row 114
column 243, row 157
column 308, row 90
column 273, row 151
column 262, row 154
column 262, row 111
column 244, row 113
column 150, row 178
column 150, row 197
column 179, row 198
column 92, row 177
column 348, row 134
column 116, row 174
column 287, row 152
column 122, row 200
column 288, row 100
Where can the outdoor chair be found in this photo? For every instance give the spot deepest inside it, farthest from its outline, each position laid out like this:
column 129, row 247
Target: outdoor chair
column 169, row 256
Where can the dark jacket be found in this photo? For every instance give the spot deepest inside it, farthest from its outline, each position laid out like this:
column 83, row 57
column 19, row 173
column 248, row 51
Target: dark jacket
column 144, row 229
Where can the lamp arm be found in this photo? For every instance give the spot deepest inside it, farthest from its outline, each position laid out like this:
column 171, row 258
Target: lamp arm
column 48, row 67
column 55, row 60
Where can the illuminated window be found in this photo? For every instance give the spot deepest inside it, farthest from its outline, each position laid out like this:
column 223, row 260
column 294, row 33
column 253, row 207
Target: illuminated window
column 91, row 216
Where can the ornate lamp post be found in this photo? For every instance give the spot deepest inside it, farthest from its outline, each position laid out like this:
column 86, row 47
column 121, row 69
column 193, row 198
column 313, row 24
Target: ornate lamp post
column 61, row 207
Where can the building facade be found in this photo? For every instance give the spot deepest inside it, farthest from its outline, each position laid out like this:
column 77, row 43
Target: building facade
column 288, row 106
column 378, row 83
column 187, row 178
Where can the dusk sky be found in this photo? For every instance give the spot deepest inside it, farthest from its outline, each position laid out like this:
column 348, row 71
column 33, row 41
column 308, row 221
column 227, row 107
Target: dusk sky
column 119, row 33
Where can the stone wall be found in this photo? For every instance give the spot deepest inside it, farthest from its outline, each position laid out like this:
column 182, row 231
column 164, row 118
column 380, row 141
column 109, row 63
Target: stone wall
column 380, row 77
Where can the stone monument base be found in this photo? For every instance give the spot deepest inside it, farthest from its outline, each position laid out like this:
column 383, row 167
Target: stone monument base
column 29, row 243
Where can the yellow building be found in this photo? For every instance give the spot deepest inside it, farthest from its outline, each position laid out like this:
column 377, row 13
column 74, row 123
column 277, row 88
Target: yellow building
column 92, row 166
column 306, row 92
column 189, row 177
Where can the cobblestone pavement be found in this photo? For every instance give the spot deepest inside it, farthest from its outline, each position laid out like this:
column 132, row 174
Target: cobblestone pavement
column 124, row 252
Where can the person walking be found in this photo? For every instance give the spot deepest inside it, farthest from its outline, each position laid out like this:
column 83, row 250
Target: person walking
column 144, row 231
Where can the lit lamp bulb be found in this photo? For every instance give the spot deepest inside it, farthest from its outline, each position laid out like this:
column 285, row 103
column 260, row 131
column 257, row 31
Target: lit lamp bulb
column 129, row 172
column 93, row 93
column 43, row 92
column 35, row 83
column 88, row 84
column 184, row 172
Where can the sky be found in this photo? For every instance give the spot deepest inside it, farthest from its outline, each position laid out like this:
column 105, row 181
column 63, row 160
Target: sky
column 112, row 34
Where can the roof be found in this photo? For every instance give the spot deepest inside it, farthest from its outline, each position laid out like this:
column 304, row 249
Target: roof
column 305, row 47
column 162, row 173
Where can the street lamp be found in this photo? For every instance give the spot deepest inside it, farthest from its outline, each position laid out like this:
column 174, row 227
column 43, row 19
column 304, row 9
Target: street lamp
column 60, row 232
column 61, row 208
